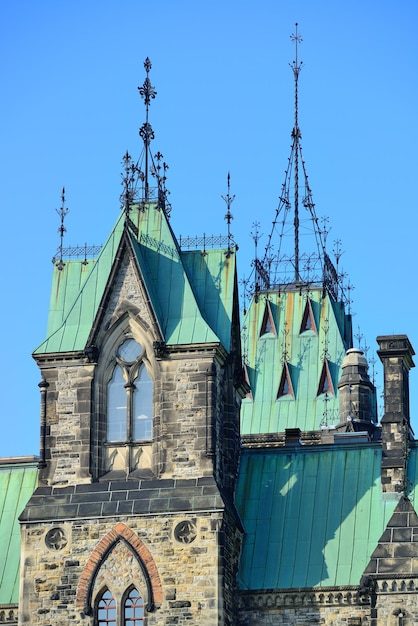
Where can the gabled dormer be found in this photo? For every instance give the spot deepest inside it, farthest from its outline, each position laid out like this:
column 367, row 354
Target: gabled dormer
column 268, row 327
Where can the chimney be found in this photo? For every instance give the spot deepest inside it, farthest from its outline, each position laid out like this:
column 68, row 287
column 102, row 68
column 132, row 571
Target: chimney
column 356, row 392
column 293, row 437
column 396, row 355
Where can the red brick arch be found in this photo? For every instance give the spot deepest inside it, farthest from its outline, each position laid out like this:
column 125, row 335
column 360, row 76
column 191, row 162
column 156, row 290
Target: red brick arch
column 88, row 575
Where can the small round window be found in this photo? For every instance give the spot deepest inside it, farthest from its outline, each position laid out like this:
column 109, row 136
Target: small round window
column 130, row 350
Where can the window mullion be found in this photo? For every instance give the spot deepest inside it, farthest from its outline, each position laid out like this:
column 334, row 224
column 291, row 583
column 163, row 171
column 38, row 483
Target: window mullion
column 130, row 387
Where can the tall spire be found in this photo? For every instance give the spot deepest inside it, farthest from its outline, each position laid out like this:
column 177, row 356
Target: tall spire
column 282, row 265
column 296, row 135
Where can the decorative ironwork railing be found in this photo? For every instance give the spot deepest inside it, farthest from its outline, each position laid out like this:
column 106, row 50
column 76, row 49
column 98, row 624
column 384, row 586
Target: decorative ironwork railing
column 205, row 241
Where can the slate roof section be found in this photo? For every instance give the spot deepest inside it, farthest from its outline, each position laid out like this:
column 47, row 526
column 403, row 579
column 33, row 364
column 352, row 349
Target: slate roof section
column 303, row 349
column 187, row 304
column 131, row 497
column 18, row 478
column 397, row 551
column 312, row 516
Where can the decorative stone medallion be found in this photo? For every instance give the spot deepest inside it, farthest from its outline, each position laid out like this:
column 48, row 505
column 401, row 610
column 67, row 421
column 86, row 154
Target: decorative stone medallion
column 55, row 539
column 185, row 532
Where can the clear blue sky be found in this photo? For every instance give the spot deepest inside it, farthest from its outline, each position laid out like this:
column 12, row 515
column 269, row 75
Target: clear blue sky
column 70, row 109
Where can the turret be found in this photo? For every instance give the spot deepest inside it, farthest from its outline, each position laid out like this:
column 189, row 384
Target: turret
column 356, row 391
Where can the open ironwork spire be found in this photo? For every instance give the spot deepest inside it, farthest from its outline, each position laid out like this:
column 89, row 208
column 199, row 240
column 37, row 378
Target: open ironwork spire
column 301, row 265
column 296, row 135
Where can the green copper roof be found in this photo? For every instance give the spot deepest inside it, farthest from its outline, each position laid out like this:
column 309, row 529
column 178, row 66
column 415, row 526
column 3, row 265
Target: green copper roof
column 312, row 517
column 213, row 278
column 412, row 488
column 304, row 330
column 76, row 293
column 180, row 286
column 17, row 483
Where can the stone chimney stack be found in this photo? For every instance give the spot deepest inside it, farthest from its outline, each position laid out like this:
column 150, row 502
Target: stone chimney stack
column 396, row 355
column 356, row 391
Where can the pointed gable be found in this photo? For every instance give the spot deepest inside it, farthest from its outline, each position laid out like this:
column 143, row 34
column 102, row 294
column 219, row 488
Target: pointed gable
column 191, row 299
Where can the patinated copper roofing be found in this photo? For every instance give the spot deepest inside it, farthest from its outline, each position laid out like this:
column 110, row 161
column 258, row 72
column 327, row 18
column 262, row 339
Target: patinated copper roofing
column 303, row 330
column 191, row 293
column 18, row 479
column 312, row 516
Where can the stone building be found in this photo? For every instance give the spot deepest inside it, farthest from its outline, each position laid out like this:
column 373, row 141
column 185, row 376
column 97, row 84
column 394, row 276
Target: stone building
column 194, row 469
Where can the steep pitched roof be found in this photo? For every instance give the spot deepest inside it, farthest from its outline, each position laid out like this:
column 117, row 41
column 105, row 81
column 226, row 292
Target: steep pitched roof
column 192, row 295
column 304, row 348
column 312, row 516
column 17, row 483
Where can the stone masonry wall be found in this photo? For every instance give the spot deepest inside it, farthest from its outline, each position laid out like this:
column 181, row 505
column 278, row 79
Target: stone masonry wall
column 190, row 441
column 68, row 412
column 189, row 572
column 335, row 607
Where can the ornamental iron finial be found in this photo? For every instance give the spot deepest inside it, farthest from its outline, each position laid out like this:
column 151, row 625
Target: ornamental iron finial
column 147, row 92
column 62, row 212
column 140, row 172
column 228, row 216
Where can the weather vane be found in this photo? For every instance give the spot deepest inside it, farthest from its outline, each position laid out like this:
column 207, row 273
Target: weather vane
column 296, row 38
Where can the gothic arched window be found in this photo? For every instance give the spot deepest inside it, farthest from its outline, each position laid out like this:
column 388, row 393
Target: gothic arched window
column 129, row 396
column 133, row 609
column 106, row 609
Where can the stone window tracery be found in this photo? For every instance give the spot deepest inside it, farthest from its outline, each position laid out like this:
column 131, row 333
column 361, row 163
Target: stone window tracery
column 106, row 609
column 133, row 609
column 129, row 396
column 128, row 612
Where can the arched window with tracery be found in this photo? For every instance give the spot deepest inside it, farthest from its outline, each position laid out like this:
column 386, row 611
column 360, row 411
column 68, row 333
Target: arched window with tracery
column 129, row 396
column 106, row 609
column 126, row 611
column 133, row 609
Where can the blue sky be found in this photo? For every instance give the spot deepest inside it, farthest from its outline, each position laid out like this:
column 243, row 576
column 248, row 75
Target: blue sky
column 70, row 109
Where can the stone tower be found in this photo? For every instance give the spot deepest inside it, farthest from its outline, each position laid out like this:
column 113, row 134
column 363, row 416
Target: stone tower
column 133, row 520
